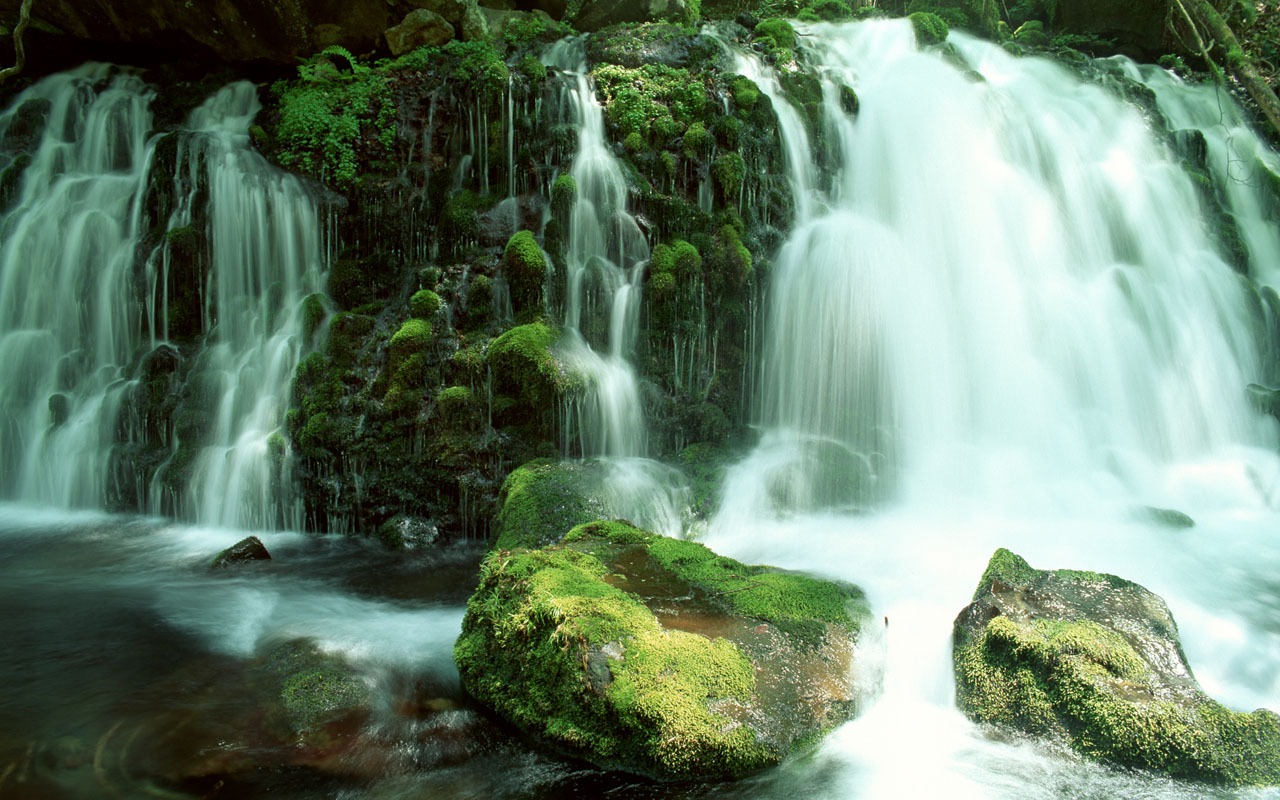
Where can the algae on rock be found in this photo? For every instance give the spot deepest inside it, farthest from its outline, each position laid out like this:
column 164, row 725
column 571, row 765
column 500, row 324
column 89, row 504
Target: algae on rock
column 1094, row 661
column 656, row 656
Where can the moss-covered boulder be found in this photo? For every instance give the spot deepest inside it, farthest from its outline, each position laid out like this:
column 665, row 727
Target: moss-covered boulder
column 656, row 656
column 1094, row 661
column 310, row 696
column 543, row 499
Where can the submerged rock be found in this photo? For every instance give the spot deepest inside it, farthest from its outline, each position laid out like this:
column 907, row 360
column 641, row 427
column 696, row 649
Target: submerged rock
column 247, row 549
column 656, row 656
column 1094, row 661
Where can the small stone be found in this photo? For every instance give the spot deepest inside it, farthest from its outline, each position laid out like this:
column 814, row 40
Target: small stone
column 243, row 551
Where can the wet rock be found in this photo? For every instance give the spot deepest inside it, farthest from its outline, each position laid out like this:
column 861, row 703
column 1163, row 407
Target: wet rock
column 407, row 532
column 654, row 655
column 593, row 15
column 1094, row 661
column 1166, row 517
column 313, row 693
column 419, row 28
column 248, row 549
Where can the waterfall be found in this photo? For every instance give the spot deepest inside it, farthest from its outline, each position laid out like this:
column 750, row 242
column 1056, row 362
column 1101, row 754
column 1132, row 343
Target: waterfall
column 70, row 303
column 605, row 258
column 1006, row 319
column 1007, row 281
column 265, row 255
column 87, row 297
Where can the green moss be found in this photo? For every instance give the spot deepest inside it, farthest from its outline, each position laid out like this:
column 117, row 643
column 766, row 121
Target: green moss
column 698, row 142
column 1008, row 569
column 314, row 696
column 454, row 402
column 832, row 10
column 930, row 28
column 314, row 312
column 729, row 171
column 745, row 93
column 1072, row 677
column 533, row 69
column 424, row 304
column 524, row 366
column 653, row 101
column 564, row 193
column 479, row 300
column 542, row 500
column 533, row 647
column 779, row 30
column 412, row 337
column 526, row 269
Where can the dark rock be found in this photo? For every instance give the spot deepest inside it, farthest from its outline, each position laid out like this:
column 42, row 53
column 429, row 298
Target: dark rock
column 1137, row 27
column 593, row 15
column 234, row 30
column 419, row 28
column 1094, row 661
column 656, row 656
column 243, row 551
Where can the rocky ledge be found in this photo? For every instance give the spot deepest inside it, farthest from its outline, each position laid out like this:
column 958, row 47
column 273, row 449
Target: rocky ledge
column 1094, row 661
column 653, row 655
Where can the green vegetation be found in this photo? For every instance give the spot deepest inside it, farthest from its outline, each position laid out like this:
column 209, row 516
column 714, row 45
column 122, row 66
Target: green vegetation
column 929, row 27
column 1075, row 678
column 555, row 649
column 524, row 366
column 424, row 304
column 795, row 603
column 542, row 500
column 526, row 269
column 655, row 102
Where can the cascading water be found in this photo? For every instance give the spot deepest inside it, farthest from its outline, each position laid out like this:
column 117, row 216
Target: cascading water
column 265, row 256
column 1004, row 320
column 83, row 298
column 605, row 258
column 70, row 303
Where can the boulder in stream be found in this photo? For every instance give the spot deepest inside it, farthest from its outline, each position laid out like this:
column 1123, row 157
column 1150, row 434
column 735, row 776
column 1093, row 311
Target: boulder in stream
column 1094, row 661
column 247, row 549
column 655, row 656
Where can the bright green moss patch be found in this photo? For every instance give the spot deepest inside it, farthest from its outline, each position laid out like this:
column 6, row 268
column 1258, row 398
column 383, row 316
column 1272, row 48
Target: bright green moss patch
column 930, row 28
column 526, row 268
column 542, row 500
column 424, row 304
column 555, row 641
column 656, row 102
column 524, row 365
column 587, row 668
column 1061, row 654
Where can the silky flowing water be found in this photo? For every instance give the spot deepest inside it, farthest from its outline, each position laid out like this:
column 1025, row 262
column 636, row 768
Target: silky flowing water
column 1002, row 319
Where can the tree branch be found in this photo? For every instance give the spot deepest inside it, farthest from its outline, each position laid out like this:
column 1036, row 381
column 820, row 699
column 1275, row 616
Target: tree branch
column 19, row 50
column 1240, row 65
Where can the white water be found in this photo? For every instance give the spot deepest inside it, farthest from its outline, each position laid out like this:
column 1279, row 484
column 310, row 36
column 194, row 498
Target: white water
column 605, row 259
column 1002, row 323
column 81, row 298
column 265, row 251
column 70, row 308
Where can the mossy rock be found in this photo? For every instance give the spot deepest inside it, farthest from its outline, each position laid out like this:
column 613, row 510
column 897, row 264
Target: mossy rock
column 526, row 269
column 656, row 656
column 524, row 365
column 1094, row 661
column 542, row 500
column 310, row 695
column 929, row 28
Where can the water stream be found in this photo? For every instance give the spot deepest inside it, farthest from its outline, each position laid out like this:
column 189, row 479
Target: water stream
column 1001, row 319
column 605, row 259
